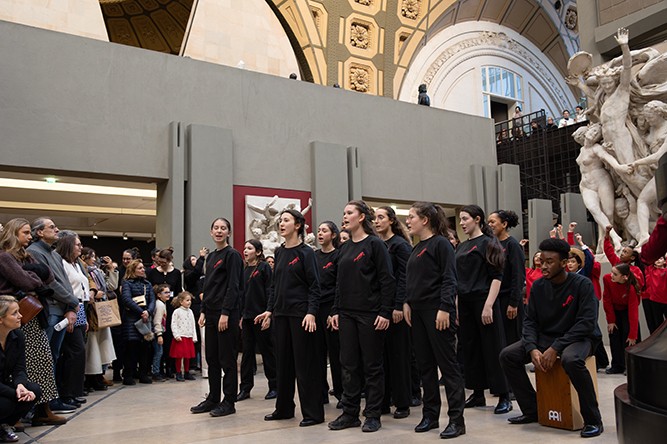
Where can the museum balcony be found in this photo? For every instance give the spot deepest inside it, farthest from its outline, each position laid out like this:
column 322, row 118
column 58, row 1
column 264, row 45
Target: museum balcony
column 546, row 157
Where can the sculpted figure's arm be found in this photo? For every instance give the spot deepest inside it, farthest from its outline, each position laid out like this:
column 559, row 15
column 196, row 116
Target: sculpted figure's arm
column 579, row 82
column 610, row 160
column 626, row 74
column 652, row 158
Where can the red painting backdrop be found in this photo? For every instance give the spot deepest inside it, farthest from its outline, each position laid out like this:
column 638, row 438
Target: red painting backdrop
column 240, row 192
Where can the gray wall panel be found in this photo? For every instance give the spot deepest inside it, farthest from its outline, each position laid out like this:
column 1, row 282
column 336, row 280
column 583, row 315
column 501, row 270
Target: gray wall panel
column 330, row 179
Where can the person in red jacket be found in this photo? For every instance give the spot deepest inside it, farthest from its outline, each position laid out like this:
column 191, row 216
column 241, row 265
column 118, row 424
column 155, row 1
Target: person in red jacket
column 621, row 306
column 597, row 268
column 656, row 291
column 533, row 274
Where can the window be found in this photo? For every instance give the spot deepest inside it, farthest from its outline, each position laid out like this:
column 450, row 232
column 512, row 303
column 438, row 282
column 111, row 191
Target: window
column 502, row 83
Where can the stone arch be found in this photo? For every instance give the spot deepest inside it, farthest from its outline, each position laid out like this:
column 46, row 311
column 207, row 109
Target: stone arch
column 538, row 22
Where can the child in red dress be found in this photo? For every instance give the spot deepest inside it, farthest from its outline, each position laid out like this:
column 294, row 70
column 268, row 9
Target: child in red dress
column 185, row 336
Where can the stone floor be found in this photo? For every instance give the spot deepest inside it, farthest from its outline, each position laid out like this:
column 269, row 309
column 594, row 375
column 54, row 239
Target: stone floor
column 160, row 413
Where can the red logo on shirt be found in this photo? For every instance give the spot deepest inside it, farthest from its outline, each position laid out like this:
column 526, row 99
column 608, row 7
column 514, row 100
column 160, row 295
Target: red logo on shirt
column 328, row 265
column 474, row 247
column 422, row 252
column 359, row 256
column 217, row 263
column 294, row 261
column 568, row 301
column 254, row 273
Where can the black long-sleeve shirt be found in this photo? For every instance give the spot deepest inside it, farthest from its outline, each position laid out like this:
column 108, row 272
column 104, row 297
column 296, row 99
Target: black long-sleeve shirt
column 473, row 271
column 257, row 288
column 399, row 252
column 172, row 278
column 431, row 275
column 560, row 315
column 296, row 282
column 514, row 275
column 328, row 266
column 365, row 282
column 223, row 284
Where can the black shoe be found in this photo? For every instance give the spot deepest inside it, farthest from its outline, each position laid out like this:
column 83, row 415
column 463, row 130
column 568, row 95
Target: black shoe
column 7, row 433
column 427, row 424
column 344, row 421
column 144, row 380
column 276, row 417
column 180, row 377
column 503, row 406
column 159, row 378
column 243, row 395
column 371, row 425
column 614, row 371
column 80, row 399
column 339, row 405
column 203, row 407
column 222, row 409
column 453, row 430
column 310, row 422
column 58, row 406
column 415, row 402
column 129, row 381
column 190, row 377
column 272, row 394
column 591, row 430
column 71, row 401
column 523, row 419
column 475, row 401
column 401, row 413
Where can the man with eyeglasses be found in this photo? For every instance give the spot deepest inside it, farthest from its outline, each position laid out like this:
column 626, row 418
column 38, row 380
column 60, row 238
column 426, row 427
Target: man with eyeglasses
column 63, row 303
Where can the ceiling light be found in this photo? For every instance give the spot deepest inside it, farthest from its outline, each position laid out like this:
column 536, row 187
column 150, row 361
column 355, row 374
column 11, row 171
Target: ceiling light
column 124, row 236
column 51, row 184
column 95, row 236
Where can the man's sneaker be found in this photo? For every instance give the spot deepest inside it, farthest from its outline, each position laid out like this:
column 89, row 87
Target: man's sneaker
column 58, row 406
column 203, row 407
column 222, row 409
column 344, row 421
column 371, row 425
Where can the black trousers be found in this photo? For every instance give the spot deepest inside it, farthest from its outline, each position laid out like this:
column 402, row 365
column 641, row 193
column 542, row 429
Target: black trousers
column 253, row 336
column 119, row 348
column 659, row 313
column 435, row 348
column 617, row 340
column 573, row 359
column 481, row 346
column 137, row 352
column 297, row 357
column 11, row 410
column 601, row 357
column 415, row 375
column 358, row 338
column 329, row 347
column 397, row 366
column 221, row 353
column 512, row 327
column 72, row 364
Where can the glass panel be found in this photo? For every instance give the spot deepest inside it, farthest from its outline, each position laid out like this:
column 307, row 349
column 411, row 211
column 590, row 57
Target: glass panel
column 494, row 81
column 519, row 93
column 485, row 101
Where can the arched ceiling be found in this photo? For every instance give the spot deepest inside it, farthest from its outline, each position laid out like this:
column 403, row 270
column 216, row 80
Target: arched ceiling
column 158, row 25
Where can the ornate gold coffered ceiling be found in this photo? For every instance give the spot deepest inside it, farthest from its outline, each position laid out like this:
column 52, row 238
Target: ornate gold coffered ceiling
column 158, row 25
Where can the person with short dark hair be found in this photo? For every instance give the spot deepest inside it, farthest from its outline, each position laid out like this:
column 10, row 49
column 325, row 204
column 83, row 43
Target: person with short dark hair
column 561, row 322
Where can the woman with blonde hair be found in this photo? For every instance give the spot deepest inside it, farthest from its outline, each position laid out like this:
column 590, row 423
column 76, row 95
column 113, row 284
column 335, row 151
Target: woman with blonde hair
column 21, row 275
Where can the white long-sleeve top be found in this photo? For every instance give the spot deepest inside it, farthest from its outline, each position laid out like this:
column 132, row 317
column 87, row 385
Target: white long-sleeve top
column 183, row 324
column 78, row 281
column 159, row 315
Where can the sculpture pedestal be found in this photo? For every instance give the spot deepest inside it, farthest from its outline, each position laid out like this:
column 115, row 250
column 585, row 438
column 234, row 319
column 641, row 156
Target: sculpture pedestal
column 635, row 424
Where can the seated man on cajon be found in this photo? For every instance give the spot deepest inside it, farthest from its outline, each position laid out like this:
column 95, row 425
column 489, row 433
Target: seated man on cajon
column 561, row 321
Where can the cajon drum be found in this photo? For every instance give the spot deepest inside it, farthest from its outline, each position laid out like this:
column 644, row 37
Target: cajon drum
column 557, row 399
